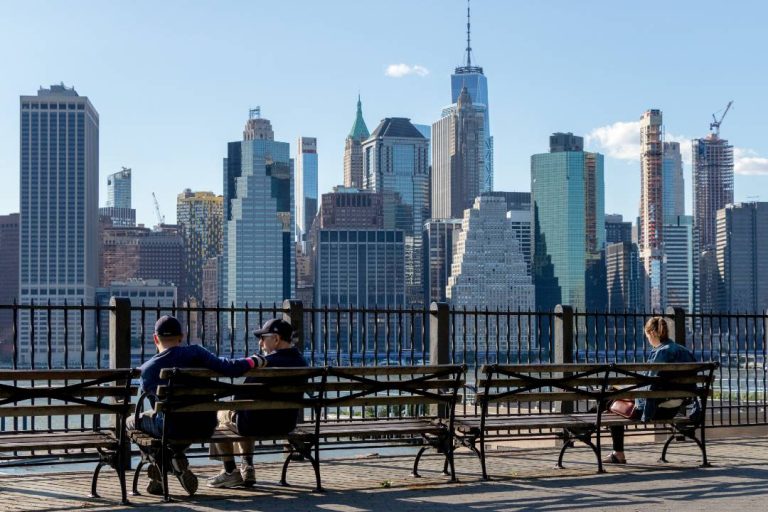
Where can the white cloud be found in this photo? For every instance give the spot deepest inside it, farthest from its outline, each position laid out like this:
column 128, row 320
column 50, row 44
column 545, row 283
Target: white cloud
column 618, row 140
column 748, row 162
column 401, row 70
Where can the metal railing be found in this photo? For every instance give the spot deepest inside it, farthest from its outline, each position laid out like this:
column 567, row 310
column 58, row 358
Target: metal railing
column 120, row 334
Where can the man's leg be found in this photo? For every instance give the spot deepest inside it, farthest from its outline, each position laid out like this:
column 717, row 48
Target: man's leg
column 248, row 474
column 228, row 477
column 148, row 425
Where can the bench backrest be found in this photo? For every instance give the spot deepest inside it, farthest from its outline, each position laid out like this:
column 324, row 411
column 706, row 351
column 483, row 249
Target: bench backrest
column 598, row 382
column 360, row 392
column 530, row 383
column 35, row 393
column 660, row 381
column 346, row 392
column 198, row 390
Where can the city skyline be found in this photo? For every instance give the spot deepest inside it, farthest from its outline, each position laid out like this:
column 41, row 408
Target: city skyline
column 395, row 78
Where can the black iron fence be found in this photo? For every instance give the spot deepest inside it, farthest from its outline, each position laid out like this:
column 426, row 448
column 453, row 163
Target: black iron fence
column 120, row 334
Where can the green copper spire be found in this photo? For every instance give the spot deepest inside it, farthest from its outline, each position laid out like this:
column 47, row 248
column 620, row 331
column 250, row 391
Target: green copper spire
column 359, row 131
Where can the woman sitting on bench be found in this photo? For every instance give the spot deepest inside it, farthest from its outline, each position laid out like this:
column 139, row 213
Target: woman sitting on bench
column 664, row 351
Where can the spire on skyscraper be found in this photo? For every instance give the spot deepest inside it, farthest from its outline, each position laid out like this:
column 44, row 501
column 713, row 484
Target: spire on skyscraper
column 469, row 46
column 468, row 67
column 359, row 130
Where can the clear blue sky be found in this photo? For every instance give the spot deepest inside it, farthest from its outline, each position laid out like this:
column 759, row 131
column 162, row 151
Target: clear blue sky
column 173, row 81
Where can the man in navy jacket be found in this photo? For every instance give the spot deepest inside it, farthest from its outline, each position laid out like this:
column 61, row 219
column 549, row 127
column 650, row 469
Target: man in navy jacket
column 172, row 354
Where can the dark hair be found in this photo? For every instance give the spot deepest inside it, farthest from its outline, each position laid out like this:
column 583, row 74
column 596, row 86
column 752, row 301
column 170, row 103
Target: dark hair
column 657, row 326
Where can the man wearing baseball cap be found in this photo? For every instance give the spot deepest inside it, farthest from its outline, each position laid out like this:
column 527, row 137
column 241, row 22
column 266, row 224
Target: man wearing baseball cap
column 275, row 341
column 171, row 353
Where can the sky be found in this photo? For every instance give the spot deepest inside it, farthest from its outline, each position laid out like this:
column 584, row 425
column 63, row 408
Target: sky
column 173, row 80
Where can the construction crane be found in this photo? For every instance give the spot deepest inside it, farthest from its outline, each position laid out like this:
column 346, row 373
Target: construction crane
column 716, row 122
column 160, row 217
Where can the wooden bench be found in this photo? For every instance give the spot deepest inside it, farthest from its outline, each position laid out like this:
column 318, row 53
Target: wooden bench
column 199, row 391
column 77, row 399
column 418, row 403
column 568, row 401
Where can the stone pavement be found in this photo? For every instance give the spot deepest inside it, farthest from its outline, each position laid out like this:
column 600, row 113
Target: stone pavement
column 523, row 480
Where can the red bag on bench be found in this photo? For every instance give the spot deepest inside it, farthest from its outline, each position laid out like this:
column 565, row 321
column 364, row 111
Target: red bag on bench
column 623, row 407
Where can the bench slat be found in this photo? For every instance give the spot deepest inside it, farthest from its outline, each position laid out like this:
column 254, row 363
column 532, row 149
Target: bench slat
column 73, row 375
column 56, row 410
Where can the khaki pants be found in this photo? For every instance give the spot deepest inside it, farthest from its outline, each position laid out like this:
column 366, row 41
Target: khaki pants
column 227, row 450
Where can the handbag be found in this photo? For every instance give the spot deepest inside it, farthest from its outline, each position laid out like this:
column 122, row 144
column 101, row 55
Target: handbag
column 623, row 407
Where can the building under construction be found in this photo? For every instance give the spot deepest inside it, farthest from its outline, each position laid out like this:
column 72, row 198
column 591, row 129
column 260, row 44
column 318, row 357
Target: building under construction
column 651, row 220
column 712, row 191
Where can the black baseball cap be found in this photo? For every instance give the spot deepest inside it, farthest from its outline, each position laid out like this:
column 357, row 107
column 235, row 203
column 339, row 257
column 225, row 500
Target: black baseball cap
column 276, row 326
column 168, row 326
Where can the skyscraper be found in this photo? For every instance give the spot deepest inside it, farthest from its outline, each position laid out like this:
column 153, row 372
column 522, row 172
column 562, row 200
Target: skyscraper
column 259, row 262
column 712, row 191
column 568, row 195
column 519, row 213
column 652, row 207
column 9, row 277
column 306, row 186
column 458, row 159
column 353, row 151
column 59, row 175
column 440, row 237
column 680, row 263
column 118, row 207
column 474, row 80
column 742, row 257
column 673, row 188
column 395, row 162
column 488, row 270
column 199, row 216
column 624, row 277
column 616, row 230
column 119, row 189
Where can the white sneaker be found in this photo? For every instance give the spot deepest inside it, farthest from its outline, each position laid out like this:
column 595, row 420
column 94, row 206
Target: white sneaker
column 226, row 480
column 248, row 474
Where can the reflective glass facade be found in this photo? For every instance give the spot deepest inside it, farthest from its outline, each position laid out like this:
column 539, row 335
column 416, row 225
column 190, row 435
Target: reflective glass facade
column 306, row 186
column 568, row 195
column 259, row 263
column 396, row 165
column 477, row 85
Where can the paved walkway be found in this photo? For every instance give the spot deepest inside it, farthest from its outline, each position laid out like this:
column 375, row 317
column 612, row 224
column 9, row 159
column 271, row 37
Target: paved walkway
column 523, row 480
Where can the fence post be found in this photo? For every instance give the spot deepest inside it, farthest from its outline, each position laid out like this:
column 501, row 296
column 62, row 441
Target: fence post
column 439, row 333
column 120, row 347
column 119, row 333
column 563, row 344
column 676, row 324
column 563, row 334
column 439, row 344
column 295, row 317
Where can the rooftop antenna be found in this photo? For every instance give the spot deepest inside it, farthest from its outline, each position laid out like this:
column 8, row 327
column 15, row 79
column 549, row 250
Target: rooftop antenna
column 469, row 47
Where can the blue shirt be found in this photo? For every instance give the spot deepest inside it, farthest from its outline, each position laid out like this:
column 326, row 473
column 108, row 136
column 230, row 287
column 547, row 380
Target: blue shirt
column 189, row 356
column 667, row 352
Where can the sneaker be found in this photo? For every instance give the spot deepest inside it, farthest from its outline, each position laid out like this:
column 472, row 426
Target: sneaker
column 226, row 480
column 187, row 479
column 155, row 485
column 248, row 475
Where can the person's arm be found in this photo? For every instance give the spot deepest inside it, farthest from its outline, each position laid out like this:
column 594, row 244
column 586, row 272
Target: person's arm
column 225, row 366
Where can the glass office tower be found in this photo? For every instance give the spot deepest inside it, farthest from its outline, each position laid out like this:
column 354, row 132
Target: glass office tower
column 259, row 262
column 568, row 195
column 306, row 186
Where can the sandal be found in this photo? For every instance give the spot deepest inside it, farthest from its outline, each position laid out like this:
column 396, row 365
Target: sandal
column 613, row 459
